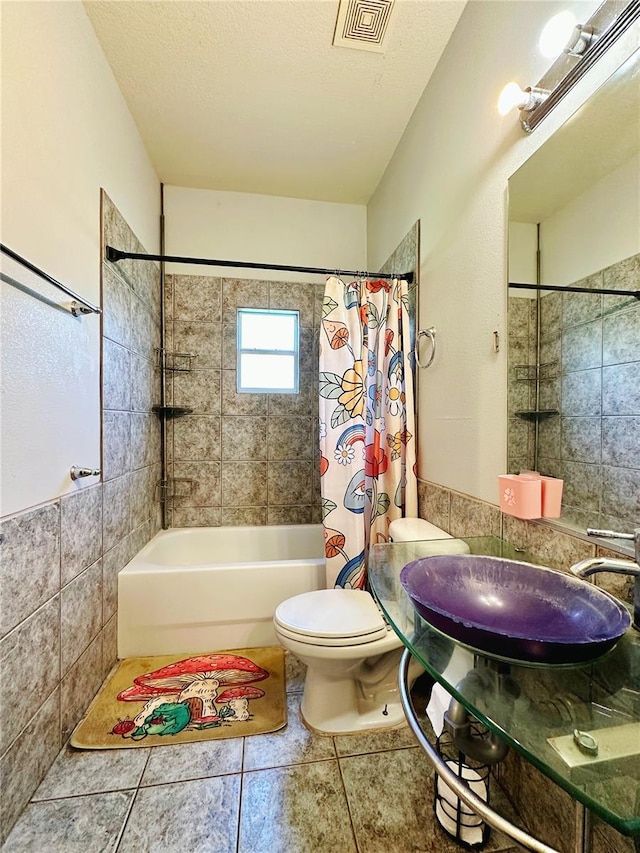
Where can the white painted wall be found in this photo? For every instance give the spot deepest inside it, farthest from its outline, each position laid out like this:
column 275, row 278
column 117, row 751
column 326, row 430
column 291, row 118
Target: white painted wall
column 66, row 132
column 262, row 229
column 523, row 245
column 451, row 171
column 598, row 228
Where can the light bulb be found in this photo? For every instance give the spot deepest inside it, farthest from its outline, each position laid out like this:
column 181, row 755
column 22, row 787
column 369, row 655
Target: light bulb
column 524, row 99
column 510, row 97
column 556, row 34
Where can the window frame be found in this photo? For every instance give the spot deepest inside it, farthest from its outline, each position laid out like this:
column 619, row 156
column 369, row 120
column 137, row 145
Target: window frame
column 295, row 352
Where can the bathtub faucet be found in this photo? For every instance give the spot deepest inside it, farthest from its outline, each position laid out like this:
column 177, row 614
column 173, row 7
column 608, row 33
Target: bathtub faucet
column 594, row 565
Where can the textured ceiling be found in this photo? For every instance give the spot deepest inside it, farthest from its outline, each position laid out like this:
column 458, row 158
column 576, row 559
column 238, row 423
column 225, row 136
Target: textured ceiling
column 251, row 95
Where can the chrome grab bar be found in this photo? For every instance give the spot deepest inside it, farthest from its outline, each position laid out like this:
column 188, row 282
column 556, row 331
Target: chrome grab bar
column 426, row 333
column 460, row 788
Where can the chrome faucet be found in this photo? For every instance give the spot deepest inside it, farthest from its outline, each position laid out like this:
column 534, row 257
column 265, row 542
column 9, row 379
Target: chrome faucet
column 594, row 565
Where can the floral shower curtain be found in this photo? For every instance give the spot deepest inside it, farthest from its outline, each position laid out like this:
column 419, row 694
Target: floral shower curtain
column 367, row 421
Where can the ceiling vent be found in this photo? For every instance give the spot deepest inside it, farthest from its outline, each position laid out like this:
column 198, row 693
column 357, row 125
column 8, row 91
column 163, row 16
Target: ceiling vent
column 363, row 24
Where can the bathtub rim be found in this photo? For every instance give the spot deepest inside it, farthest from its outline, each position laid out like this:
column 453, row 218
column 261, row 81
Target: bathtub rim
column 140, row 563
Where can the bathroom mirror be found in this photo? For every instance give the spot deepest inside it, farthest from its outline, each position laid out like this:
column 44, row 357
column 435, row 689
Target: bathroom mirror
column 574, row 358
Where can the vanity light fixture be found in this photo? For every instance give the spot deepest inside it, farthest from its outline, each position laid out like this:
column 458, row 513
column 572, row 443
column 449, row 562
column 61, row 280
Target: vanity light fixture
column 581, row 38
column 563, row 34
column 576, row 47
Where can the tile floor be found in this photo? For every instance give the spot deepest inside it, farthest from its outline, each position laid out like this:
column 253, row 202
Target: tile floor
column 287, row 792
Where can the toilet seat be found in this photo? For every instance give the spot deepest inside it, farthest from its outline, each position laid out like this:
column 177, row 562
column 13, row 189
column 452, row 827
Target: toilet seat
column 331, row 617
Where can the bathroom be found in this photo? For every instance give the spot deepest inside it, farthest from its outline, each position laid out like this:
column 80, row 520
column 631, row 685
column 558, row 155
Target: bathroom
column 67, row 133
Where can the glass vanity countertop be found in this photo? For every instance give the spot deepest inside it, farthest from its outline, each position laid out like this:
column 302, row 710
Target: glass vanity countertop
column 536, row 708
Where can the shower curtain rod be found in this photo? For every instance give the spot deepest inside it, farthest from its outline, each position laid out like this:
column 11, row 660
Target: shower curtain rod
column 566, row 289
column 116, row 255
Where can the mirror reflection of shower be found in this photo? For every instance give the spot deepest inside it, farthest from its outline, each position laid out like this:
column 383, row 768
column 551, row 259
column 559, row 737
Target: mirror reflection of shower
column 574, row 222
column 574, row 360
column 531, row 398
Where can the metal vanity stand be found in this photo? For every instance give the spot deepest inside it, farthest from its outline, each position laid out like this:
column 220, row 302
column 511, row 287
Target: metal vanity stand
column 535, row 709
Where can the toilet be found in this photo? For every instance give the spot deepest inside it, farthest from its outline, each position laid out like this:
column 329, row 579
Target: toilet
column 352, row 654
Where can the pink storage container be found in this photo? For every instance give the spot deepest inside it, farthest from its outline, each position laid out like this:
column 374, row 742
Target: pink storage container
column 520, row 496
column 551, row 496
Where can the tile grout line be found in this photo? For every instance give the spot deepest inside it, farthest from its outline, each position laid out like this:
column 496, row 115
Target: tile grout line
column 285, row 766
column 346, row 798
column 133, row 799
column 242, row 772
column 59, row 741
column 125, row 821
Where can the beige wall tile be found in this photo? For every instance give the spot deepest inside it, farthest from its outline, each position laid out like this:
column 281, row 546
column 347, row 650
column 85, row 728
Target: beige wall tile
column 116, row 514
column 109, row 645
column 242, row 293
column 29, row 669
column 195, row 516
column 290, row 483
column 244, row 484
column 470, row 517
column 434, row 504
column 244, row 516
column 80, row 614
column 205, row 490
column 116, row 444
column 28, row 759
column 197, row 298
column 244, row 438
column 79, row 686
column 203, row 340
column 29, row 563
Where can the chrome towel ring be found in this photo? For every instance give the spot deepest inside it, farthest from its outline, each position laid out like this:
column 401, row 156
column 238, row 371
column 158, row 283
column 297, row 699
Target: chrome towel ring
column 426, row 333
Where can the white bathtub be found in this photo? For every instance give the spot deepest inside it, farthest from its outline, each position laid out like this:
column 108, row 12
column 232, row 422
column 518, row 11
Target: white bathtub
column 205, row 588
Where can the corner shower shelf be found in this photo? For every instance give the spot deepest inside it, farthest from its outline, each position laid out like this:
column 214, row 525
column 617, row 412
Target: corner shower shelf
column 174, row 487
column 171, row 411
column 176, row 362
column 536, row 415
column 532, row 372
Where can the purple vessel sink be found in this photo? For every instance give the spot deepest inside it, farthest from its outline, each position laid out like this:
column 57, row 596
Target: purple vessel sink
column 514, row 610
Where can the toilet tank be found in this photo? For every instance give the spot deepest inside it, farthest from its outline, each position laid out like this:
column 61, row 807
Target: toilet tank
column 432, row 539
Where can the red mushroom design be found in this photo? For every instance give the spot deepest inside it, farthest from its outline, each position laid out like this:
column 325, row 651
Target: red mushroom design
column 194, row 681
column 151, row 697
column 138, row 694
column 237, row 699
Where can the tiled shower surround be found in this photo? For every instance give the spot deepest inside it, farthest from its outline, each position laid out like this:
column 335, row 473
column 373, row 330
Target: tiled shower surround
column 590, row 374
column 521, row 386
column 252, row 457
column 59, row 562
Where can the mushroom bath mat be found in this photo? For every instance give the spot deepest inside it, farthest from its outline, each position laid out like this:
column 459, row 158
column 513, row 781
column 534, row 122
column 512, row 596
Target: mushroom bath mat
column 152, row 701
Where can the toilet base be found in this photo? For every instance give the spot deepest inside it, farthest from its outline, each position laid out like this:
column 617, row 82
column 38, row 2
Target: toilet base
column 346, row 706
column 339, row 706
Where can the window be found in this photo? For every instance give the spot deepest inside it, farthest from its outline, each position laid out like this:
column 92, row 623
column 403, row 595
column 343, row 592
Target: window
column 268, row 344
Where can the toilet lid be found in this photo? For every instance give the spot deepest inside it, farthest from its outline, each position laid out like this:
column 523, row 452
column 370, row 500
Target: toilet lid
column 332, row 615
